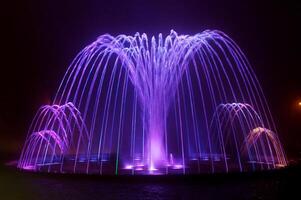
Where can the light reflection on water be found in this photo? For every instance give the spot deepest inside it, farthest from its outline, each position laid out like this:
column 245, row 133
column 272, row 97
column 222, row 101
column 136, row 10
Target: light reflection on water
column 53, row 187
column 50, row 188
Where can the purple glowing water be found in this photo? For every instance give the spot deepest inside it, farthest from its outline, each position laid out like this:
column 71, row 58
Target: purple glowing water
column 128, row 104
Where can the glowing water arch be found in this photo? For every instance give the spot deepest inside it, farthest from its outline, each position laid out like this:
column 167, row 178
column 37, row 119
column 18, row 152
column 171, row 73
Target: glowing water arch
column 253, row 137
column 64, row 120
column 246, row 133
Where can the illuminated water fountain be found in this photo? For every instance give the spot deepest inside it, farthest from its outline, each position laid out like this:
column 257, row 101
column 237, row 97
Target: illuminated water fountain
column 139, row 105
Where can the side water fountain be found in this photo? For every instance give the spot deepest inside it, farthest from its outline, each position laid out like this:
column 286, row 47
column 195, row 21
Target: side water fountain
column 183, row 104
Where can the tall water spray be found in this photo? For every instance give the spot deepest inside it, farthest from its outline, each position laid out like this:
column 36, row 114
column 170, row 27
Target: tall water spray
column 134, row 105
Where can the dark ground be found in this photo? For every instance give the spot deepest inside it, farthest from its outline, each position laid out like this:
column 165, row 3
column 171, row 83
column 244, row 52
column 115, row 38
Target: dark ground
column 279, row 184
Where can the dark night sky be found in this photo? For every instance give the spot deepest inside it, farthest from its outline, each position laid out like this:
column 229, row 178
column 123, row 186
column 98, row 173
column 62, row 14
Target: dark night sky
column 41, row 38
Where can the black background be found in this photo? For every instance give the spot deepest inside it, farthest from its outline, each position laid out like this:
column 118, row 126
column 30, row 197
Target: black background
column 40, row 38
